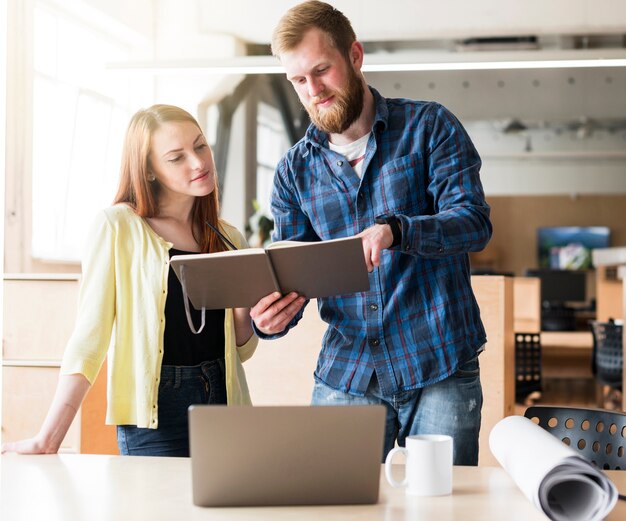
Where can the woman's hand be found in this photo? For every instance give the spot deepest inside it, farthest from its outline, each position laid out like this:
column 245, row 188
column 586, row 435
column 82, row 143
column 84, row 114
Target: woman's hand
column 29, row 446
column 71, row 389
column 243, row 327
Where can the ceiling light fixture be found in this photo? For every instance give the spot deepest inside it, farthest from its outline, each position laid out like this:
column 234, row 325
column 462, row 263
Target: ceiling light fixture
column 398, row 62
column 514, row 126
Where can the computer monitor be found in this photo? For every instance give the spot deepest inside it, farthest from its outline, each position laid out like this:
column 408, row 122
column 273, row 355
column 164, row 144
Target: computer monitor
column 569, row 247
column 559, row 287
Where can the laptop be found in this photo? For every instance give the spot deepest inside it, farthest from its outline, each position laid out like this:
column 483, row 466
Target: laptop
column 295, row 455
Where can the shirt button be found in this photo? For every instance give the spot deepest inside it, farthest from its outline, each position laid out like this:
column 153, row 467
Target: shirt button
column 154, row 420
column 373, row 307
column 340, row 163
column 374, row 342
column 440, row 250
column 407, row 248
column 361, row 195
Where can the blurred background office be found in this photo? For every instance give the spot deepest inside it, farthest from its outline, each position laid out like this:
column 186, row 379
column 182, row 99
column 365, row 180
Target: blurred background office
column 538, row 85
column 551, row 136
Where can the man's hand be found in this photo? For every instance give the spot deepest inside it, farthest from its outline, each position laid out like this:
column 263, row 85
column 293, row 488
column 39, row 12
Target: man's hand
column 273, row 313
column 375, row 239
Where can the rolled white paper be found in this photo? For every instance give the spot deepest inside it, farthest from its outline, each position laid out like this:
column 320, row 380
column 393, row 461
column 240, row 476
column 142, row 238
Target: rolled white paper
column 554, row 477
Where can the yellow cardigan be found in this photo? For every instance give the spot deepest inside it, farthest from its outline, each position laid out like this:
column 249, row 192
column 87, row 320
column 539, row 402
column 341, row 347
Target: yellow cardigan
column 121, row 309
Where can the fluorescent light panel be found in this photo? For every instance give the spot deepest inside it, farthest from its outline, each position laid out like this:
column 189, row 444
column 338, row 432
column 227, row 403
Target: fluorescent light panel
column 496, row 65
column 399, row 62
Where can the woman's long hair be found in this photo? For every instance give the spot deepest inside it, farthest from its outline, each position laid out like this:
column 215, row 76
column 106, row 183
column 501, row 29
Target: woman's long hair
column 142, row 195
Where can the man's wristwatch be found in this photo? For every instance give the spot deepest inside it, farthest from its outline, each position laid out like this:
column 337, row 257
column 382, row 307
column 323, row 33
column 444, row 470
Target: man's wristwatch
column 396, row 229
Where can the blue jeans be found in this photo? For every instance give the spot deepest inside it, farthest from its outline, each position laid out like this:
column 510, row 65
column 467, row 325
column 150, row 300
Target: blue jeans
column 451, row 407
column 179, row 388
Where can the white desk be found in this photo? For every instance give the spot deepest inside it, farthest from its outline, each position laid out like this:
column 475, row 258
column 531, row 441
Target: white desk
column 117, row 488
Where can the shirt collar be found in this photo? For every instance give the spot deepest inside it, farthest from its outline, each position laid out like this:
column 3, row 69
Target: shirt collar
column 316, row 138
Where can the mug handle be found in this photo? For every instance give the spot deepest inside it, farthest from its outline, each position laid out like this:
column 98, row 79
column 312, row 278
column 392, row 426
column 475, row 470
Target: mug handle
column 388, row 462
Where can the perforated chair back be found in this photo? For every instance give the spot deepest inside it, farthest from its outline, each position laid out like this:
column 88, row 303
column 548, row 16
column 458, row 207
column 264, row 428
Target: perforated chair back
column 608, row 358
column 598, row 435
column 527, row 365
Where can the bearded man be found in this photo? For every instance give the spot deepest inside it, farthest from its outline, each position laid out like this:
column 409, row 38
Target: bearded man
column 402, row 175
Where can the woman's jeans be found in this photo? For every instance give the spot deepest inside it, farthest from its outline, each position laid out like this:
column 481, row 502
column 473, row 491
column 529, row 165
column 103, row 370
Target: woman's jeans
column 179, row 388
column 450, row 407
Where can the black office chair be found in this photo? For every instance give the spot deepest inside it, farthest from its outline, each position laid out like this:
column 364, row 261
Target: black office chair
column 598, row 435
column 527, row 365
column 607, row 361
column 608, row 355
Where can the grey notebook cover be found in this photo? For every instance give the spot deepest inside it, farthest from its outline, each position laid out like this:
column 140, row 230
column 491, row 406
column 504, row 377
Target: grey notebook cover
column 303, row 455
column 241, row 278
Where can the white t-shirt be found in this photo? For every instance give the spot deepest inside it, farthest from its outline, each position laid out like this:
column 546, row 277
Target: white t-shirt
column 354, row 152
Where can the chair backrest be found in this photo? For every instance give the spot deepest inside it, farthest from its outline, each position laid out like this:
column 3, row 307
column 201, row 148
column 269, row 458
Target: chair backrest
column 598, row 435
column 527, row 364
column 608, row 358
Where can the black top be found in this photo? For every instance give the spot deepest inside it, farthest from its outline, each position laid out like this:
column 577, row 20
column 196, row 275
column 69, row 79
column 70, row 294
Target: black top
column 181, row 346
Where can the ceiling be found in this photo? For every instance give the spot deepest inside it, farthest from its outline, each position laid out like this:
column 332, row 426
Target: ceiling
column 419, row 20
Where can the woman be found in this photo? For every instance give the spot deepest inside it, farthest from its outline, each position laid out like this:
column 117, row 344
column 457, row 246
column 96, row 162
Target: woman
column 157, row 366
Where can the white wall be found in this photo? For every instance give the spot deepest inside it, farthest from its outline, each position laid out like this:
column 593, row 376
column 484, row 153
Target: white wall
column 179, row 37
column 3, row 103
column 429, row 19
column 137, row 15
column 551, row 103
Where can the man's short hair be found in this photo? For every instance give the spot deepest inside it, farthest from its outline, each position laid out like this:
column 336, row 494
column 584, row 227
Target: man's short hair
column 309, row 15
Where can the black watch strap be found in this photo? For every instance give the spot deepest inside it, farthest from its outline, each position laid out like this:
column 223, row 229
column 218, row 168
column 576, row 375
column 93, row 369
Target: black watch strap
column 396, row 229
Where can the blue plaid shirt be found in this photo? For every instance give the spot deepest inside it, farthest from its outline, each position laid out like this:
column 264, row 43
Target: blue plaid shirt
column 419, row 321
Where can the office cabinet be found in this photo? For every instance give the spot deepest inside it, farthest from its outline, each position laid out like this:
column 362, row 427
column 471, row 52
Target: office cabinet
column 39, row 315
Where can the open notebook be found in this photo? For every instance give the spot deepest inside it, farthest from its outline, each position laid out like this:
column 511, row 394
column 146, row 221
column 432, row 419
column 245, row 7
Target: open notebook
column 240, row 278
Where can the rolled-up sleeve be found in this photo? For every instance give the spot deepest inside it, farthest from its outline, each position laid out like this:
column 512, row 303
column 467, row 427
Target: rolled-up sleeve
column 459, row 222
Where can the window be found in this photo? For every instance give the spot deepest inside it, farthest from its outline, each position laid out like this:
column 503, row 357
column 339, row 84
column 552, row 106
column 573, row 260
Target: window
column 80, row 113
column 272, row 143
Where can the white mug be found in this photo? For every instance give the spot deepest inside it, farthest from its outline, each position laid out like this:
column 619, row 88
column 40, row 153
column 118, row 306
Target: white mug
column 428, row 467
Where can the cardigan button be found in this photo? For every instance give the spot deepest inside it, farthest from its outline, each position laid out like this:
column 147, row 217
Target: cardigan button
column 340, row 163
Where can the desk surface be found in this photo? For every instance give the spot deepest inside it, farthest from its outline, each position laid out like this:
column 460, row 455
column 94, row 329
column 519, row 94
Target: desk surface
column 77, row 487
column 567, row 339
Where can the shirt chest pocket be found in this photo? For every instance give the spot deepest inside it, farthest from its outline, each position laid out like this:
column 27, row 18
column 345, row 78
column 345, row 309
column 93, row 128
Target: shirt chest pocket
column 403, row 183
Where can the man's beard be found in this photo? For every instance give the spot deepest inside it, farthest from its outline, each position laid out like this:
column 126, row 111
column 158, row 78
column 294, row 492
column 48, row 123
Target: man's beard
column 344, row 111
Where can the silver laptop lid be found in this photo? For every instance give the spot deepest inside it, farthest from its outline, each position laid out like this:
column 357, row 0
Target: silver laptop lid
column 250, row 456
